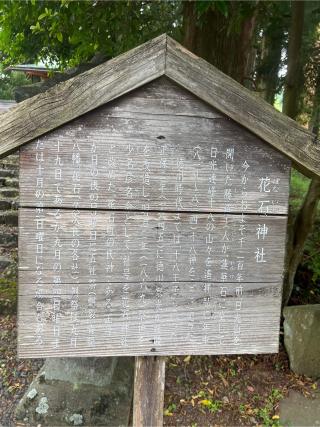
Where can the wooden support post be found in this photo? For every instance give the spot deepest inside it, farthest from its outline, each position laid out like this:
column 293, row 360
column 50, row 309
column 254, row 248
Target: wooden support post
column 149, row 379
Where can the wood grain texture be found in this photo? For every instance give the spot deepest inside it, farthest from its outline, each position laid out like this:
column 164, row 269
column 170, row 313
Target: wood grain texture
column 149, row 382
column 243, row 106
column 85, row 92
column 188, row 318
column 157, row 148
column 202, row 276
column 134, row 247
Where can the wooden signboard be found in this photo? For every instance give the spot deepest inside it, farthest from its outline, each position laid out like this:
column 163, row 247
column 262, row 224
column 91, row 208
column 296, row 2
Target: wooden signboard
column 153, row 225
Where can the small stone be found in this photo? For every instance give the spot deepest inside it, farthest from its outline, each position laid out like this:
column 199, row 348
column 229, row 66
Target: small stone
column 32, row 394
column 225, row 400
column 43, row 406
column 76, row 419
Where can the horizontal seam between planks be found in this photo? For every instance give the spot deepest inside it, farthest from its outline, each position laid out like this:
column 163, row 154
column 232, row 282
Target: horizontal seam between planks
column 191, row 212
column 154, row 282
column 165, row 114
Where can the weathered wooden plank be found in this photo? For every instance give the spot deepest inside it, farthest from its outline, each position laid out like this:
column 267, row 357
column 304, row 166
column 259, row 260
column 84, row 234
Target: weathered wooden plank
column 161, row 97
column 155, row 226
column 149, row 381
column 243, row 106
column 130, row 155
column 137, row 246
column 127, row 319
column 83, row 93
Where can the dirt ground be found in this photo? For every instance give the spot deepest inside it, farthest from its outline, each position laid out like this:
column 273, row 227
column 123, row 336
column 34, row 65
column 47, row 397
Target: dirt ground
column 200, row 390
column 230, row 391
column 15, row 375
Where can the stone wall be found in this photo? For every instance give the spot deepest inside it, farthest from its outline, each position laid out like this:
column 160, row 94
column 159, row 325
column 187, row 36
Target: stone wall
column 9, row 200
column 9, row 197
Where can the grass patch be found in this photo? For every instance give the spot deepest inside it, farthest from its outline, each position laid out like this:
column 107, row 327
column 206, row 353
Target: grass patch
column 299, row 185
column 8, row 296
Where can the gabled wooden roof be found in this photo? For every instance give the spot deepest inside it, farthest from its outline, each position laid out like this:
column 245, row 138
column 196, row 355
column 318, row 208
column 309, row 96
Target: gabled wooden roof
column 160, row 56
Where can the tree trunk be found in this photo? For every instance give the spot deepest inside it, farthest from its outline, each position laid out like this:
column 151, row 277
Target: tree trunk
column 294, row 71
column 301, row 227
column 212, row 38
column 270, row 59
column 315, row 118
column 189, row 26
column 298, row 234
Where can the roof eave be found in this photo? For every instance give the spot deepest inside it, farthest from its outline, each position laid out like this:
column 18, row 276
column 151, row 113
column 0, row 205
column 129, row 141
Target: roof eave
column 244, row 107
column 70, row 99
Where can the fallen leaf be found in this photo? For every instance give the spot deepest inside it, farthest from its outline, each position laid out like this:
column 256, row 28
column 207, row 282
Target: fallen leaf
column 225, row 382
column 187, row 359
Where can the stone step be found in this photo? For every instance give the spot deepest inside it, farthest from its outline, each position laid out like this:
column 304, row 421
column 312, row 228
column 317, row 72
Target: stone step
column 9, row 218
column 11, row 182
column 9, row 203
column 10, row 162
column 9, row 192
column 4, row 262
column 5, row 204
column 9, row 239
column 9, row 166
column 8, row 173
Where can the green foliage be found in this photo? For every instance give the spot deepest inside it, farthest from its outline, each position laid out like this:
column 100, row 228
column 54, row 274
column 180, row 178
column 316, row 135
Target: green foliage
column 168, row 412
column 68, row 32
column 213, row 406
column 8, row 296
column 202, row 6
column 298, row 188
column 311, row 258
column 266, row 413
column 9, row 81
